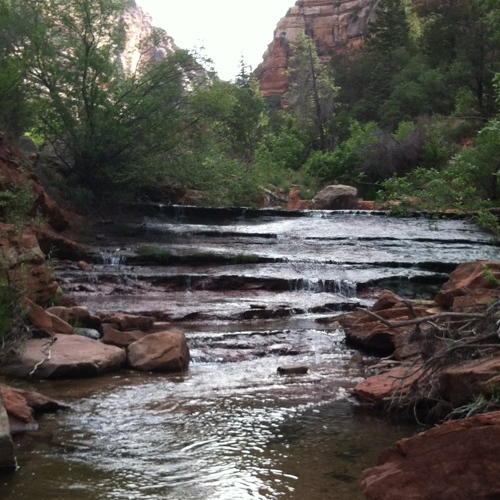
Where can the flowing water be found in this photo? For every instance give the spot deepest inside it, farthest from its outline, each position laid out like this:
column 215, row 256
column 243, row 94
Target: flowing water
column 253, row 290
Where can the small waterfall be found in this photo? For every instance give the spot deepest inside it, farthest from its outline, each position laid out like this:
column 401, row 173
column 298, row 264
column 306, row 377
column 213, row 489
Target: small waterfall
column 188, row 285
column 242, row 218
column 113, row 257
column 343, row 288
column 179, row 213
column 311, row 285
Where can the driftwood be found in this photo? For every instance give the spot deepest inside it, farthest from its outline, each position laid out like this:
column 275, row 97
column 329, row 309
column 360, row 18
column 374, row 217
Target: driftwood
column 418, row 321
column 454, row 344
column 274, row 198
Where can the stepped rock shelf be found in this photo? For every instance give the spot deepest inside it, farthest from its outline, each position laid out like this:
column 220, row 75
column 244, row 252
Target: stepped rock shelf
column 254, row 292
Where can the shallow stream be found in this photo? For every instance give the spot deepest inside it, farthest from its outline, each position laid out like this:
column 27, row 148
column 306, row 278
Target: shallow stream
column 253, row 290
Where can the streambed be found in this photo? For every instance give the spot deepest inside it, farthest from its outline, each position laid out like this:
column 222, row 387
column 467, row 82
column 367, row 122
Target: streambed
column 260, row 296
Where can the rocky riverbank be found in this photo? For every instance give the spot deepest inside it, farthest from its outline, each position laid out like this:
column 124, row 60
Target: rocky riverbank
column 442, row 362
column 441, row 356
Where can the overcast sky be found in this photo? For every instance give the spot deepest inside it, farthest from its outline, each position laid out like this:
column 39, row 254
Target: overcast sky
column 226, row 29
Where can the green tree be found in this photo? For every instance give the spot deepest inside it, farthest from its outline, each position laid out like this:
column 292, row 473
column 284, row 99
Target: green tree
column 232, row 116
column 311, row 93
column 244, row 76
column 14, row 108
column 366, row 75
column 283, row 151
column 459, row 38
column 98, row 118
column 390, row 29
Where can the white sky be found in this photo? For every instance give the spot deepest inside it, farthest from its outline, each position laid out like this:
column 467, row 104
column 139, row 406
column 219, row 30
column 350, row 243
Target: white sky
column 226, row 29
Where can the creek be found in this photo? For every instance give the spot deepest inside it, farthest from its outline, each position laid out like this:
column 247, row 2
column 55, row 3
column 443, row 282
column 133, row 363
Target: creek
column 253, row 290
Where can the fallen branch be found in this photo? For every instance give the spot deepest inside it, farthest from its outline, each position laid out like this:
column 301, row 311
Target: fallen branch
column 418, row 321
column 47, row 352
column 274, row 197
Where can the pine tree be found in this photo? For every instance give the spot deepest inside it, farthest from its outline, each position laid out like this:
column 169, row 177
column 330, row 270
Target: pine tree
column 311, row 93
column 390, row 29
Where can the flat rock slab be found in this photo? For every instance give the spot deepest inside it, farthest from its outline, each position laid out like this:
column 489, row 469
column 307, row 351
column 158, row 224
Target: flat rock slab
column 378, row 388
column 293, row 370
column 70, row 356
column 457, row 460
column 128, row 322
column 469, row 286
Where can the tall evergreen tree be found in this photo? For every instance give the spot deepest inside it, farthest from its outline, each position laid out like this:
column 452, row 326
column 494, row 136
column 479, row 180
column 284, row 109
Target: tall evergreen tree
column 390, row 30
column 461, row 38
column 311, row 94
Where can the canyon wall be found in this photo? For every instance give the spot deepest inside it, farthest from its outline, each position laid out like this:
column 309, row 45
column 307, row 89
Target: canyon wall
column 333, row 24
column 139, row 29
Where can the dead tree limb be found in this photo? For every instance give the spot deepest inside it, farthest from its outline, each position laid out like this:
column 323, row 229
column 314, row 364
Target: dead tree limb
column 418, row 321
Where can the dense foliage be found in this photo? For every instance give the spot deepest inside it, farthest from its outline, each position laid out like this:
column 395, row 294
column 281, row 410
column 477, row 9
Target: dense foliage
column 392, row 116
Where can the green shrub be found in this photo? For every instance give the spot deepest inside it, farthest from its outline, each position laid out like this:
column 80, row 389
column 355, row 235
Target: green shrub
column 15, row 204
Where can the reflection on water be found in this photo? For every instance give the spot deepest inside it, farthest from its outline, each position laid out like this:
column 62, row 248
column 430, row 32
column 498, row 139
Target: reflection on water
column 232, row 428
column 223, row 430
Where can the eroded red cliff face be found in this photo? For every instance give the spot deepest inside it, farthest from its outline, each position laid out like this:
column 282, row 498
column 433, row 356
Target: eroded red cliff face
column 333, row 24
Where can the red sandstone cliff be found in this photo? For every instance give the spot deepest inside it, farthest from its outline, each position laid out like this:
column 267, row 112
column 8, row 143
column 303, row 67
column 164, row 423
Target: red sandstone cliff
column 334, row 25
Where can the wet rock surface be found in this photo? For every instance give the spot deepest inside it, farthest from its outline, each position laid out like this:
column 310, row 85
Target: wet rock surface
column 22, row 405
column 188, row 264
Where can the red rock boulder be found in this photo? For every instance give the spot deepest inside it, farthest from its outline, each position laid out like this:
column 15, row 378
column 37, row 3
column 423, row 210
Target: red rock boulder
column 366, row 205
column 457, row 460
column 379, row 388
column 19, row 412
column 25, row 263
column 163, row 351
column 470, row 285
column 337, row 197
column 45, row 320
column 7, row 458
column 460, row 383
column 122, row 339
column 295, row 202
column 366, row 332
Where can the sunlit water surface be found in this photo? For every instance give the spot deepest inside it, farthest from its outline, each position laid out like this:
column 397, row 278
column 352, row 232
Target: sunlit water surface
column 224, row 430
